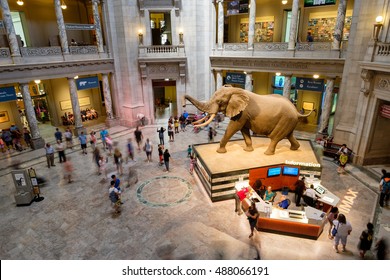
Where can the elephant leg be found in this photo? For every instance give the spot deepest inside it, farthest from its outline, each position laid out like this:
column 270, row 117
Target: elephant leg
column 294, row 143
column 231, row 129
column 271, row 147
column 247, row 137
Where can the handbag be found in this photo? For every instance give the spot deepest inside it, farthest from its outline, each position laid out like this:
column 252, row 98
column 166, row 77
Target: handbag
column 334, row 230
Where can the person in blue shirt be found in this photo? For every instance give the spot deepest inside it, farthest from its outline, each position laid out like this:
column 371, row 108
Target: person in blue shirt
column 117, row 184
column 269, row 194
column 103, row 134
column 83, row 142
column 283, row 203
column 58, row 135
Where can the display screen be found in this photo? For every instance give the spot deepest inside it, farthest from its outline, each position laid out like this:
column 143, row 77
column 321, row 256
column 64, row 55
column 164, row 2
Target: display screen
column 291, row 171
column 274, row 171
column 320, row 190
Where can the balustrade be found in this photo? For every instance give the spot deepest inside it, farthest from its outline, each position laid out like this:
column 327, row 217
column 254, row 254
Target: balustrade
column 43, row 51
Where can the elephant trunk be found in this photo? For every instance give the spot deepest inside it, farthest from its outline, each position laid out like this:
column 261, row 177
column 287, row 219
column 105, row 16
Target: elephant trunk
column 202, row 106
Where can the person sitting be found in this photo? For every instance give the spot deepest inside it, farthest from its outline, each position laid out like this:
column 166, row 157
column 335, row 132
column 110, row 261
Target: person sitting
column 283, row 203
column 269, row 195
column 309, row 197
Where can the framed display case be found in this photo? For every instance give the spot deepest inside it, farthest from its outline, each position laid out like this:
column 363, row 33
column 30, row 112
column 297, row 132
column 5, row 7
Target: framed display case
column 322, row 29
column 264, row 30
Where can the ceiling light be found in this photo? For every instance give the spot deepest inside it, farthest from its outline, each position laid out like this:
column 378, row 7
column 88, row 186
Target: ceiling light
column 20, row 2
column 63, row 5
column 278, row 74
column 284, row 2
column 37, row 81
column 76, row 77
column 316, row 76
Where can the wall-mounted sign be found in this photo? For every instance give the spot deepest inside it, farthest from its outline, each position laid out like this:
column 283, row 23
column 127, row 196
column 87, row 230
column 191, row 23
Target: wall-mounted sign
column 79, row 26
column 235, row 78
column 87, row 83
column 385, row 111
column 313, row 3
column 309, row 84
column 7, row 94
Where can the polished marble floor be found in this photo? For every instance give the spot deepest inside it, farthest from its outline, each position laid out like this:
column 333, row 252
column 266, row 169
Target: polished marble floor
column 164, row 215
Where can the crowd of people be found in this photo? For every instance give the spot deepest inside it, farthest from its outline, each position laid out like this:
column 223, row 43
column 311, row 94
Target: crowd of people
column 14, row 139
column 86, row 114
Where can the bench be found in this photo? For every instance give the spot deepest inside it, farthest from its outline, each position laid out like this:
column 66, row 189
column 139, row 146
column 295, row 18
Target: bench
column 331, row 149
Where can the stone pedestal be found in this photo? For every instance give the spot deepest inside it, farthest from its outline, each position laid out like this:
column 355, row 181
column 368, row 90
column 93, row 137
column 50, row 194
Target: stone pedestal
column 77, row 131
column 112, row 122
column 37, row 143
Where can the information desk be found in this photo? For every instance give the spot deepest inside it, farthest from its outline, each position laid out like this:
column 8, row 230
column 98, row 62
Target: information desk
column 307, row 223
column 325, row 196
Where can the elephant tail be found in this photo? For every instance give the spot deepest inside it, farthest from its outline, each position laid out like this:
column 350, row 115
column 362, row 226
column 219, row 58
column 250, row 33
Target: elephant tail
column 302, row 116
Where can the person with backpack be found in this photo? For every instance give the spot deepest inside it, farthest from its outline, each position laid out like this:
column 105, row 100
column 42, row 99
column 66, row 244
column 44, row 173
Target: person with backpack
column 366, row 238
column 384, row 188
column 113, row 194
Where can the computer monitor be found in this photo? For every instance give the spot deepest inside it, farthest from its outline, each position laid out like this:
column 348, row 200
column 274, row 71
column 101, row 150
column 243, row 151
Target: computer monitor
column 290, row 171
column 320, row 190
column 274, row 171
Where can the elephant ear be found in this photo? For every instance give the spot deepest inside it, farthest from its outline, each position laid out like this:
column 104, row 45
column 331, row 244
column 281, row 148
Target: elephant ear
column 237, row 103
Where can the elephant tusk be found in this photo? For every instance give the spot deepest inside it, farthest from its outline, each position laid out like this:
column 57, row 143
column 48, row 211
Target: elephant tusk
column 207, row 122
column 199, row 121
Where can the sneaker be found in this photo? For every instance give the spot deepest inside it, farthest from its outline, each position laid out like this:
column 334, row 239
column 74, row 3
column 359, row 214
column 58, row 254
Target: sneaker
column 336, row 250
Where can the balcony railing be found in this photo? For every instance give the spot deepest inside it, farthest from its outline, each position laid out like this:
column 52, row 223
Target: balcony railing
column 279, row 49
column 161, row 51
column 83, row 49
column 44, row 51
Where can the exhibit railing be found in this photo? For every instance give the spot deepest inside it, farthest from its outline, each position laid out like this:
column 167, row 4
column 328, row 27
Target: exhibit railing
column 161, row 51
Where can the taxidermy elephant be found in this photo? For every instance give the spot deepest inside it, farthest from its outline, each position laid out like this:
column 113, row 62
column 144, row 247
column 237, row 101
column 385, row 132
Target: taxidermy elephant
column 271, row 115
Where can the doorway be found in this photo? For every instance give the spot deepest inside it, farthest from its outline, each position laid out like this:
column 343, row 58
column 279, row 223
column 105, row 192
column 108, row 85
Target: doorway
column 160, row 25
column 165, row 100
column 287, row 25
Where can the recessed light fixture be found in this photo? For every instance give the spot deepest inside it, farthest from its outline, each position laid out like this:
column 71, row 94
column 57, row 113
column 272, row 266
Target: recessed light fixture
column 20, row 2
column 316, row 76
column 37, row 81
column 278, row 74
column 76, row 77
column 284, row 2
column 166, row 79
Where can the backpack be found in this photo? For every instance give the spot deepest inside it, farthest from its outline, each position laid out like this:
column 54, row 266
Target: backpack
column 113, row 196
column 386, row 186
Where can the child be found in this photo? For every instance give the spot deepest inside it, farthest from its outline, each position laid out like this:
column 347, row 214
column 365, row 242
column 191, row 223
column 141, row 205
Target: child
column 192, row 164
column 160, row 154
column 189, row 151
column 102, row 167
column 343, row 162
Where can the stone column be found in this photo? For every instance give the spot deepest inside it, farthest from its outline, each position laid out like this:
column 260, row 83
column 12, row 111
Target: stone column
column 219, row 79
column 74, row 98
column 248, row 81
column 107, row 96
column 98, row 26
column 36, row 140
column 338, row 30
column 220, row 24
column 287, row 86
column 61, row 27
column 327, row 107
column 294, row 25
column 252, row 21
column 9, row 26
column 105, row 18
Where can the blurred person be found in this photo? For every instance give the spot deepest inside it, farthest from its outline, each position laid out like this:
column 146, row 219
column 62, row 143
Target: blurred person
column 365, row 240
column 118, row 160
column 68, row 170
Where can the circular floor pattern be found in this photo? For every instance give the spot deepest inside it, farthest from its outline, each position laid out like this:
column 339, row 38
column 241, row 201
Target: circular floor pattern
column 164, row 191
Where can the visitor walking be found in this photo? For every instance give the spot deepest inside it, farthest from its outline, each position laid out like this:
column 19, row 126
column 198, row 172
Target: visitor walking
column 130, row 150
column 148, row 148
column 83, row 142
column 252, row 215
column 343, row 229
column 92, row 139
column 138, row 137
column 192, row 164
column 68, row 170
column 118, row 160
column 103, row 134
column 167, row 156
column 366, row 238
column 68, row 138
column 60, row 148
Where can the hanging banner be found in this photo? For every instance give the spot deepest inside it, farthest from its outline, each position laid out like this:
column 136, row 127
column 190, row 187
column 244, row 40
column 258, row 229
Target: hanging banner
column 79, row 26
column 7, row 94
column 87, row 83
column 309, row 84
column 235, row 78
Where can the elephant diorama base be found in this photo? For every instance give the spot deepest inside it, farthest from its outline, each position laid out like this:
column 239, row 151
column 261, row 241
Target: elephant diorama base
column 271, row 115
